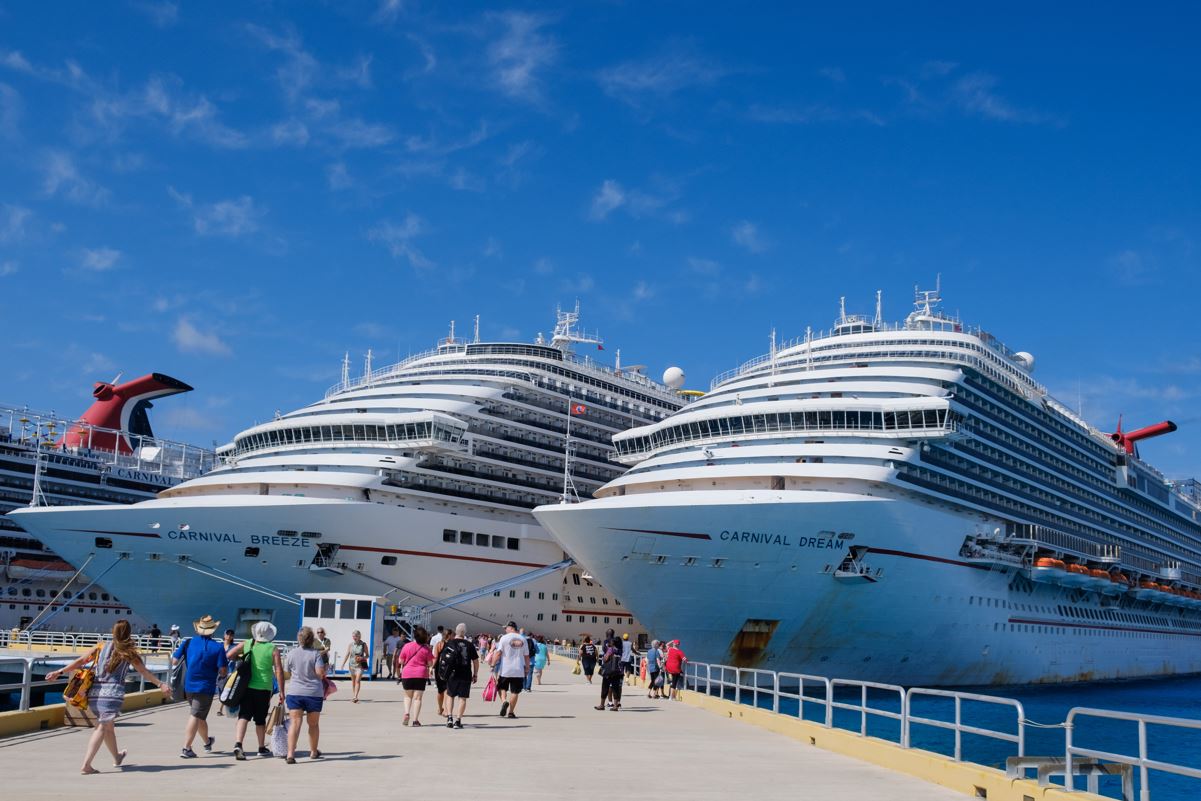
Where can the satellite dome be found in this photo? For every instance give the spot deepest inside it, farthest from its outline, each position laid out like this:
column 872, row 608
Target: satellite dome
column 1025, row 360
column 673, row 377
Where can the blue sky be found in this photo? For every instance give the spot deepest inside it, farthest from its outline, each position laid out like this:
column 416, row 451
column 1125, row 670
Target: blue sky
column 238, row 193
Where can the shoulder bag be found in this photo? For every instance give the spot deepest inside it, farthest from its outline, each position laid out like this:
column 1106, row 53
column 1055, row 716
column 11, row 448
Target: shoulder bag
column 76, row 692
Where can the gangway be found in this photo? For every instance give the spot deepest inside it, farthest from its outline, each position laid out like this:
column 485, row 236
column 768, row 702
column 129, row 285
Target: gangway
column 480, row 592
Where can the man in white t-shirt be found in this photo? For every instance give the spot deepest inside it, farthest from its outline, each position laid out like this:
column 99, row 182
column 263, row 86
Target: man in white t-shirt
column 437, row 638
column 391, row 646
column 514, row 662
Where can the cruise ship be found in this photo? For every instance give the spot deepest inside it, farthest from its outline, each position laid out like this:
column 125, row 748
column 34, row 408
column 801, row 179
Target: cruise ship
column 413, row 482
column 900, row 503
column 107, row 456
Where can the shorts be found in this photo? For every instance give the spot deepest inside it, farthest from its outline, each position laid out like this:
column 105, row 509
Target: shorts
column 677, row 680
column 653, row 680
column 629, row 668
column 589, row 666
column 199, row 704
column 306, row 703
column 255, row 706
column 414, row 684
column 458, row 688
column 512, row 684
column 440, row 684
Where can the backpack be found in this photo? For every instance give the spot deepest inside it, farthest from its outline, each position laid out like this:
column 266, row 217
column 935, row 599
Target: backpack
column 612, row 661
column 239, row 678
column 452, row 661
column 178, row 671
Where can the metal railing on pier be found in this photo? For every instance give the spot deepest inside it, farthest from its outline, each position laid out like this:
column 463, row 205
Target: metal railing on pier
column 1143, row 762
column 28, row 667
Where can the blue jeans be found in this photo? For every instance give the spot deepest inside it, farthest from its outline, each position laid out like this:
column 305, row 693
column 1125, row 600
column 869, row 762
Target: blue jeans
column 529, row 677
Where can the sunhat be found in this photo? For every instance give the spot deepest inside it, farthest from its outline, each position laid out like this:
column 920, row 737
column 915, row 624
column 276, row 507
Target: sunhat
column 205, row 625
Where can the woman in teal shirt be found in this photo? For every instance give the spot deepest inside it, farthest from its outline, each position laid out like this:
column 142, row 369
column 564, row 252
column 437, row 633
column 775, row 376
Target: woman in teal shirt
column 541, row 657
column 266, row 672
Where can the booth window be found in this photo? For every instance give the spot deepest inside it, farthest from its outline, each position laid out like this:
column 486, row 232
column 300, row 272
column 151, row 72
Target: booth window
column 364, row 610
column 346, row 610
column 312, row 607
column 328, row 608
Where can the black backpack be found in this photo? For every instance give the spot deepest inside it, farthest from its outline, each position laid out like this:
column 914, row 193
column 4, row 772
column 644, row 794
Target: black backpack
column 452, row 659
column 612, row 661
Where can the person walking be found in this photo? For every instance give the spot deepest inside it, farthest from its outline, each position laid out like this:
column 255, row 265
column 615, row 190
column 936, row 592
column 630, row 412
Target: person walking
column 629, row 658
column 174, row 636
column 265, row 668
column 654, row 668
column 305, row 691
column 391, row 648
column 440, row 681
column 204, row 662
column 514, row 662
column 463, row 673
column 674, row 663
column 415, row 659
column 323, row 643
column 588, row 657
column 532, row 647
column 611, row 675
column 113, row 659
column 358, row 661
column 541, row 657
column 227, row 642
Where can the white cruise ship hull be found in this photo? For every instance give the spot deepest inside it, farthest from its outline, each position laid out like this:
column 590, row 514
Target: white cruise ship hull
column 178, row 559
column 703, row 567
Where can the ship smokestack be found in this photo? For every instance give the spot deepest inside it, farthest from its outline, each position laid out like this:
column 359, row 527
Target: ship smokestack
column 1127, row 439
column 120, row 408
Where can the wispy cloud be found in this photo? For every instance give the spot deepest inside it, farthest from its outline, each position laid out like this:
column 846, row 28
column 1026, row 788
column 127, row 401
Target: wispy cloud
column 746, row 234
column 195, row 116
column 234, row 217
column 389, row 11
column 290, row 132
column 976, row 94
column 12, row 222
column 678, row 68
column 161, row 15
column 833, row 74
column 519, row 55
column 642, row 291
column 638, row 203
column 11, row 110
column 299, row 66
column 99, row 259
column 811, row 114
column 398, row 239
column 940, row 86
column 610, row 196
column 60, row 177
column 1132, row 267
column 190, row 339
column 338, row 177
column 8, row 267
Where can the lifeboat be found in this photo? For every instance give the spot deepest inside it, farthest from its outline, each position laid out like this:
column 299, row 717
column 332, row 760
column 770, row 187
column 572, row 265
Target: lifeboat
column 1118, row 583
column 1077, row 575
column 1148, row 590
column 1048, row 570
column 1098, row 580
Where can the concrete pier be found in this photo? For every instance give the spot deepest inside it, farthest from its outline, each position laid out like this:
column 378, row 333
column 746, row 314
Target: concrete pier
column 559, row 747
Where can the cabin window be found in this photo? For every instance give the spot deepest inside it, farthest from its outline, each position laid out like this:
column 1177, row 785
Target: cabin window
column 104, row 542
column 466, row 537
column 513, row 543
column 450, row 535
column 252, row 552
column 387, row 560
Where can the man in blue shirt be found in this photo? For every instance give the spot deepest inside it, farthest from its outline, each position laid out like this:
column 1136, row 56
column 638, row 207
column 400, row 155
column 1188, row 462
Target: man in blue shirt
column 205, row 664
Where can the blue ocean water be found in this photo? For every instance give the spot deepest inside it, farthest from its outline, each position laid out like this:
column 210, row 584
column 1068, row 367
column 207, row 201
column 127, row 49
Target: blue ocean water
column 1180, row 698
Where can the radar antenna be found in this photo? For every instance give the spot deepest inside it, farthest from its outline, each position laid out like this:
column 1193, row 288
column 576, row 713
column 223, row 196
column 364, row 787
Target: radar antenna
column 566, row 333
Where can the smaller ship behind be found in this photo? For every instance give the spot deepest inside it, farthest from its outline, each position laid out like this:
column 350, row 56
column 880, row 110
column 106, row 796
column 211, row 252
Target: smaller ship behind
column 109, row 455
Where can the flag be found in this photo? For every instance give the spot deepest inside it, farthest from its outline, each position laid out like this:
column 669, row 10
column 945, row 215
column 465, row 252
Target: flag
column 578, row 408
column 599, row 346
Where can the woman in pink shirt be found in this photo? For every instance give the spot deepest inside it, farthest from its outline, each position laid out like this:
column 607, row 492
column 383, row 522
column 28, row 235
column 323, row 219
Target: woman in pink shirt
column 415, row 660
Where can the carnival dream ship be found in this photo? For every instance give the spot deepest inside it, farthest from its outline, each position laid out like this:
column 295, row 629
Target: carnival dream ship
column 414, row 482
column 108, row 455
column 904, row 504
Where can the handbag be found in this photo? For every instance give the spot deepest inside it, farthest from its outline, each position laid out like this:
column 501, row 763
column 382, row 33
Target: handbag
column 76, row 692
column 275, row 717
column 279, row 737
column 575, row 671
column 329, row 687
column 493, row 657
column 490, row 689
column 235, row 686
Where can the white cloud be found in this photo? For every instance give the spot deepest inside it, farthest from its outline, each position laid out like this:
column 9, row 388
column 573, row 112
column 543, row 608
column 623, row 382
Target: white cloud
column 398, row 239
column 60, row 176
column 162, row 15
column 811, row 114
column 12, row 222
column 186, row 417
column 520, row 54
column 15, row 61
column 190, row 339
column 10, row 111
column 678, row 68
column 290, row 132
column 704, row 266
column 974, row 94
column 544, row 266
column 99, row 259
column 833, row 74
column 358, row 73
column 233, row 217
column 642, row 291
column 1132, row 267
column 609, row 197
column 195, row 117
column 9, row 267
column 299, row 67
column 389, row 10
column 746, row 234
column 97, row 363
column 354, row 132
column 338, row 177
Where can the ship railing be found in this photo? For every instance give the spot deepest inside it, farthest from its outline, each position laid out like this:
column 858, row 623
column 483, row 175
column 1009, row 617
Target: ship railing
column 82, row 640
column 864, row 708
column 1041, row 536
column 30, row 666
column 958, row 725
column 1141, row 761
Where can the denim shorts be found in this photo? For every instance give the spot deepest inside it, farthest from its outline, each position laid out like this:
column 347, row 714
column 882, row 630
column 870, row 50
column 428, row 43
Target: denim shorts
column 306, row 703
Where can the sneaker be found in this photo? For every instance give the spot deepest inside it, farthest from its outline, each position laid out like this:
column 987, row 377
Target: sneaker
column 459, row 723
column 512, row 716
column 187, row 753
column 315, row 755
column 264, row 751
column 239, row 754
column 504, row 709
column 208, row 744
column 291, row 760
column 450, row 723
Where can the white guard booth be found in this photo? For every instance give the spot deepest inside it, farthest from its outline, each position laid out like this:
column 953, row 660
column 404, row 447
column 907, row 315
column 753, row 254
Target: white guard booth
column 342, row 614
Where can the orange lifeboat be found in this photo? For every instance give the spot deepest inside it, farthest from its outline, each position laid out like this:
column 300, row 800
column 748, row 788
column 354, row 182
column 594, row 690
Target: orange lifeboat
column 1077, row 576
column 1148, row 590
column 1048, row 570
column 1098, row 580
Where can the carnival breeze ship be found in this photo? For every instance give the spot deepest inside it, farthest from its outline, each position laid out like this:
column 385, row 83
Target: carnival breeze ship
column 899, row 503
column 414, row 482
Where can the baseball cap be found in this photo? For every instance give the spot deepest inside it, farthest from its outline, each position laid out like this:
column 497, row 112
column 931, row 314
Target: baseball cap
column 512, row 624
